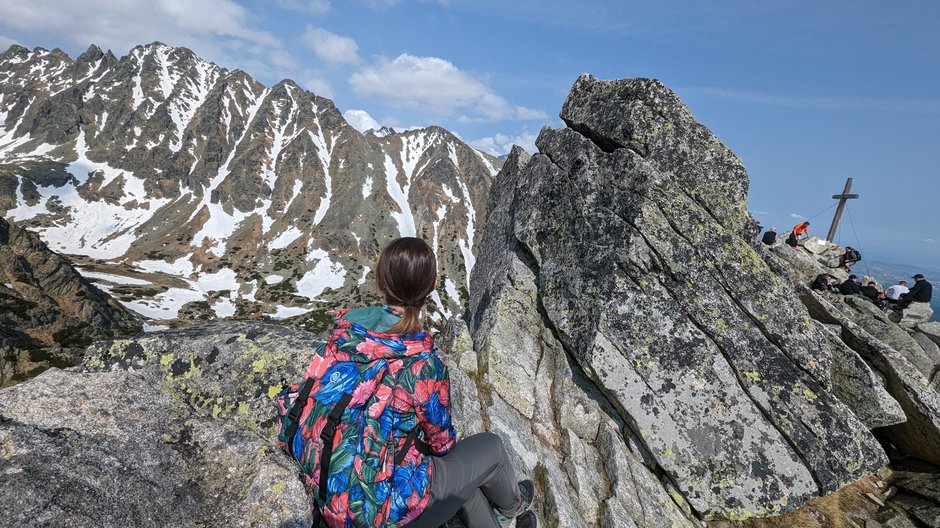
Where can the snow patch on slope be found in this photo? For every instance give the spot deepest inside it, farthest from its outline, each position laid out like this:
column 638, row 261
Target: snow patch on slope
column 283, row 312
column 325, row 274
column 113, row 279
column 365, row 273
column 324, row 154
column 221, row 225
column 466, row 246
column 284, row 239
column 398, row 193
column 95, row 228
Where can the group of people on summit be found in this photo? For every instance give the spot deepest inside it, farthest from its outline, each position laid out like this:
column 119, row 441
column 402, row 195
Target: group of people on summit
column 897, row 297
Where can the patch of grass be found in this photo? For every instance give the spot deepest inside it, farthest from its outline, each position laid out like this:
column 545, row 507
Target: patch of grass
column 318, row 321
column 18, row 307
column 73, row 336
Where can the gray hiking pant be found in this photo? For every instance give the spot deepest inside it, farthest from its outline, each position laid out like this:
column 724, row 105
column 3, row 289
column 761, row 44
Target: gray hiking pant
column 475, row 473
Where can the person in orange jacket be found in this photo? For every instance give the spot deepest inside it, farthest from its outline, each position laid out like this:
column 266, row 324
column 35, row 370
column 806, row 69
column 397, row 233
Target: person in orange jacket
column 801, row 230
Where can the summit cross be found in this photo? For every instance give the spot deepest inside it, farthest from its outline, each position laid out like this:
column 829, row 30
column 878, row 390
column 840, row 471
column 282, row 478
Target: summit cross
column 844, row 197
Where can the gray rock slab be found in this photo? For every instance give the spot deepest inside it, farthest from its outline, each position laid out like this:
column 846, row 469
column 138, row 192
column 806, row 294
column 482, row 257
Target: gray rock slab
column 915, row 314
column 930, row 329
column 106, row 449
column 919, row 435
column 224, row 369
column 862, row 390
column 877, row 323
column 930, row 347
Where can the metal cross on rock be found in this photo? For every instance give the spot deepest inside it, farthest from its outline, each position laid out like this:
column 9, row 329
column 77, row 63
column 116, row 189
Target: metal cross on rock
column 844, row 197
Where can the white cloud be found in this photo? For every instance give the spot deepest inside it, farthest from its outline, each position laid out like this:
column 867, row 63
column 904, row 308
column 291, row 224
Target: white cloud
column 361, row 120
column 315, row 7
column 930, row 241
column 330, row 47
column 437, row 86
column 318, row 86
column 797, row 216
column 761, row 213
column 5, row 43
column 501, row 144
column 218, row 30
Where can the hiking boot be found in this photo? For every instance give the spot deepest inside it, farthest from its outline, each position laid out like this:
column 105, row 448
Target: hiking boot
column 526, row 520
column 526, row 495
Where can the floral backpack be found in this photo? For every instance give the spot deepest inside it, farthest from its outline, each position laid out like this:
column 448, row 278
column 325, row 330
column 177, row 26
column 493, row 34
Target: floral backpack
column 342, row 428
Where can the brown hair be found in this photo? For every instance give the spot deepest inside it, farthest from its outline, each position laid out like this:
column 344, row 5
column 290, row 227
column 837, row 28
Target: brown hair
column 406, row 273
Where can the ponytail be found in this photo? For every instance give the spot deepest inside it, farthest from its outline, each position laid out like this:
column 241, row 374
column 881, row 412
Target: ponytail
column 410, row 320
column 406, row 273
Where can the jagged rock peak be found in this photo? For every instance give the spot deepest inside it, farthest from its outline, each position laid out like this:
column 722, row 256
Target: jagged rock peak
column 639, row 114
column 91, row 54
column 15, row 49
column 382, row 131
column 48, row 311
column 626, row 231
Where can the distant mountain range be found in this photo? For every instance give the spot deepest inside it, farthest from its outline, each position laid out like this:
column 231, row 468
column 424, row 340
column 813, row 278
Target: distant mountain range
column 190, row 191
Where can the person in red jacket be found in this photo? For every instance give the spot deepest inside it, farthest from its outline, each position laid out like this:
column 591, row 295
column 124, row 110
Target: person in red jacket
column 472, row 477
column 391, row 457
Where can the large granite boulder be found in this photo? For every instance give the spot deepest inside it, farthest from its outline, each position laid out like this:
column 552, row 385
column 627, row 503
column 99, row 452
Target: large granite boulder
column 861, row 388
column 590, row 469
column 915, row 314
column 109, row 450
column 800, row 266
column 628, row 233
column 224, row 369
column 817, row 246
column 931, row 330
column 905, row 381
column 878, row 323
column 930, row 347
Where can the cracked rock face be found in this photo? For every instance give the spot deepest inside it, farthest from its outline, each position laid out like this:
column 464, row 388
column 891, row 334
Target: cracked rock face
column 628, row 233
column 108, row 449
column 864, row 331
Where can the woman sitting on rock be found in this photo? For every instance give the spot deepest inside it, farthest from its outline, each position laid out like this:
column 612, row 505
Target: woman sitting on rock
column 382, row 364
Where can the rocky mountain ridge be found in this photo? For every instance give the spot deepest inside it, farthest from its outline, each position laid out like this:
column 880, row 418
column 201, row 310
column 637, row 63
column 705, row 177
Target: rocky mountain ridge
column 199, row 192
column 49, row 313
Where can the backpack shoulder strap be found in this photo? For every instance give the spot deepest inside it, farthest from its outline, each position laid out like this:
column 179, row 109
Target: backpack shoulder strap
column 293, row 417
column 329, row 429
column 420, row 445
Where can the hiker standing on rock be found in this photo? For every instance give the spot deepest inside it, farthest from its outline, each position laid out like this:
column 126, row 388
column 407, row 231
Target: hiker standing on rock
column 801, row 230
column 850, row 257
column 921, row 292
column 377, row 398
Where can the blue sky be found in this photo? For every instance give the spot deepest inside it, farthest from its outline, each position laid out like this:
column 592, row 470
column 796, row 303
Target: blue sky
column 807, row 93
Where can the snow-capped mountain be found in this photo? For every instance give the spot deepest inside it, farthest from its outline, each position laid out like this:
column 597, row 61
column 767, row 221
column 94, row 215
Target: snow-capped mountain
column 189, row 190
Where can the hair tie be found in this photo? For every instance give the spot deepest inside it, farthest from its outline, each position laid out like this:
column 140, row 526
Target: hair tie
column 413, row 304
